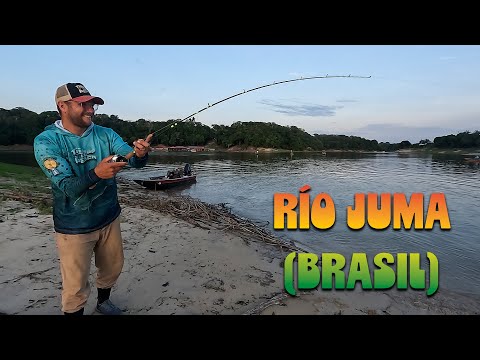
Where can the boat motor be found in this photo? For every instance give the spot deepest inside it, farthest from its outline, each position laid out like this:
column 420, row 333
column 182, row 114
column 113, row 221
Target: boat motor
column 187, row 171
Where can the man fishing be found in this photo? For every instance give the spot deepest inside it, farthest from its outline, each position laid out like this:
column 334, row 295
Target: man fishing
column 76, row 155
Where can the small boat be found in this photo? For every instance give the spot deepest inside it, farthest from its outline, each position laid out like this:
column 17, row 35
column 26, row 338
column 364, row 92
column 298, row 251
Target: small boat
column 173, row 178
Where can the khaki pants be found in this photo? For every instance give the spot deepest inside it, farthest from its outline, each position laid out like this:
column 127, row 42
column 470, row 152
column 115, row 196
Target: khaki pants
column 75, row 252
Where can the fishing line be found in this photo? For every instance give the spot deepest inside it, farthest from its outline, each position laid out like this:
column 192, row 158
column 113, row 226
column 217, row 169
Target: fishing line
column 256, row 88
column 150, row 136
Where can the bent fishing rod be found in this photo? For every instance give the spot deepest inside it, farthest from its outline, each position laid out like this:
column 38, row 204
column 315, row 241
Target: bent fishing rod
column 150, row 136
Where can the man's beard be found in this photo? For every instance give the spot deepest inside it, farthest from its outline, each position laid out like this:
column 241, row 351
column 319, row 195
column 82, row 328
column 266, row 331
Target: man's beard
column 81, row 122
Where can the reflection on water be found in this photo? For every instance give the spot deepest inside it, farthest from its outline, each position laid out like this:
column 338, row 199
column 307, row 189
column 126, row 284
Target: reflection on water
column 247, row 182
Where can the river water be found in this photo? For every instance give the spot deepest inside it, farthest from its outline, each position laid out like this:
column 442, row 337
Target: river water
column 247, row 183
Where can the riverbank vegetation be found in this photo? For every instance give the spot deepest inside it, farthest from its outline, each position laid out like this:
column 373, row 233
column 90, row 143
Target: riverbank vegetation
column 19, row 126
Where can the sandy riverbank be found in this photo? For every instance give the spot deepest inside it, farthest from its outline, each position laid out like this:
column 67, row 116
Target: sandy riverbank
column 175, row 267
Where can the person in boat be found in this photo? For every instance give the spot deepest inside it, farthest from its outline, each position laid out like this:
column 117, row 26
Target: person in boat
column 175, row 173
column 76, row 155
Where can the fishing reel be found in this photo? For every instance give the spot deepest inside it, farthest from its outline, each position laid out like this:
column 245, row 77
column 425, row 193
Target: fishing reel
column 118, row 158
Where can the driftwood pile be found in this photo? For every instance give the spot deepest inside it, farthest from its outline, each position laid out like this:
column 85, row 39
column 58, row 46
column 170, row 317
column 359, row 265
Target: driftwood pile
column 198, row 213
column 44, row 200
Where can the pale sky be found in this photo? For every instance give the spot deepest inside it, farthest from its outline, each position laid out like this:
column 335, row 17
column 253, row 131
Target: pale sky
column 415, row 92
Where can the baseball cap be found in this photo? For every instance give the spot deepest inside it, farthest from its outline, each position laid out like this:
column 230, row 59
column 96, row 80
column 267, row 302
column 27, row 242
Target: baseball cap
column 76, row 92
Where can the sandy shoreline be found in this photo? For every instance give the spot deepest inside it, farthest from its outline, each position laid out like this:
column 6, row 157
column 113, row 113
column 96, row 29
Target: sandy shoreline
column 171, row 267
column 175, row 267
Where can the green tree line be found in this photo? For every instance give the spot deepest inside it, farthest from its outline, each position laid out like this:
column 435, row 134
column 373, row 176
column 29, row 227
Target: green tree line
column 20, row 126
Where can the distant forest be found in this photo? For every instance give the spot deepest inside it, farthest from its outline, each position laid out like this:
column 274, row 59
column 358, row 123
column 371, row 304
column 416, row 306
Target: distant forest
column 20, row 126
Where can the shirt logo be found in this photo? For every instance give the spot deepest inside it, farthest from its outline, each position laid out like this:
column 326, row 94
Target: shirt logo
column 50, row 164
column 82, row 156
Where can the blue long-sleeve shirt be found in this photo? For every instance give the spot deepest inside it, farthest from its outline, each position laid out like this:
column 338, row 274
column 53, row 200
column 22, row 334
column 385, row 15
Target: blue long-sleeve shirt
column 82, row 202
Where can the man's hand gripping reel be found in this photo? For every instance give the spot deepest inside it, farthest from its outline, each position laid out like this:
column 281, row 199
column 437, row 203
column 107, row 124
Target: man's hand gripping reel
column 120, row 158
